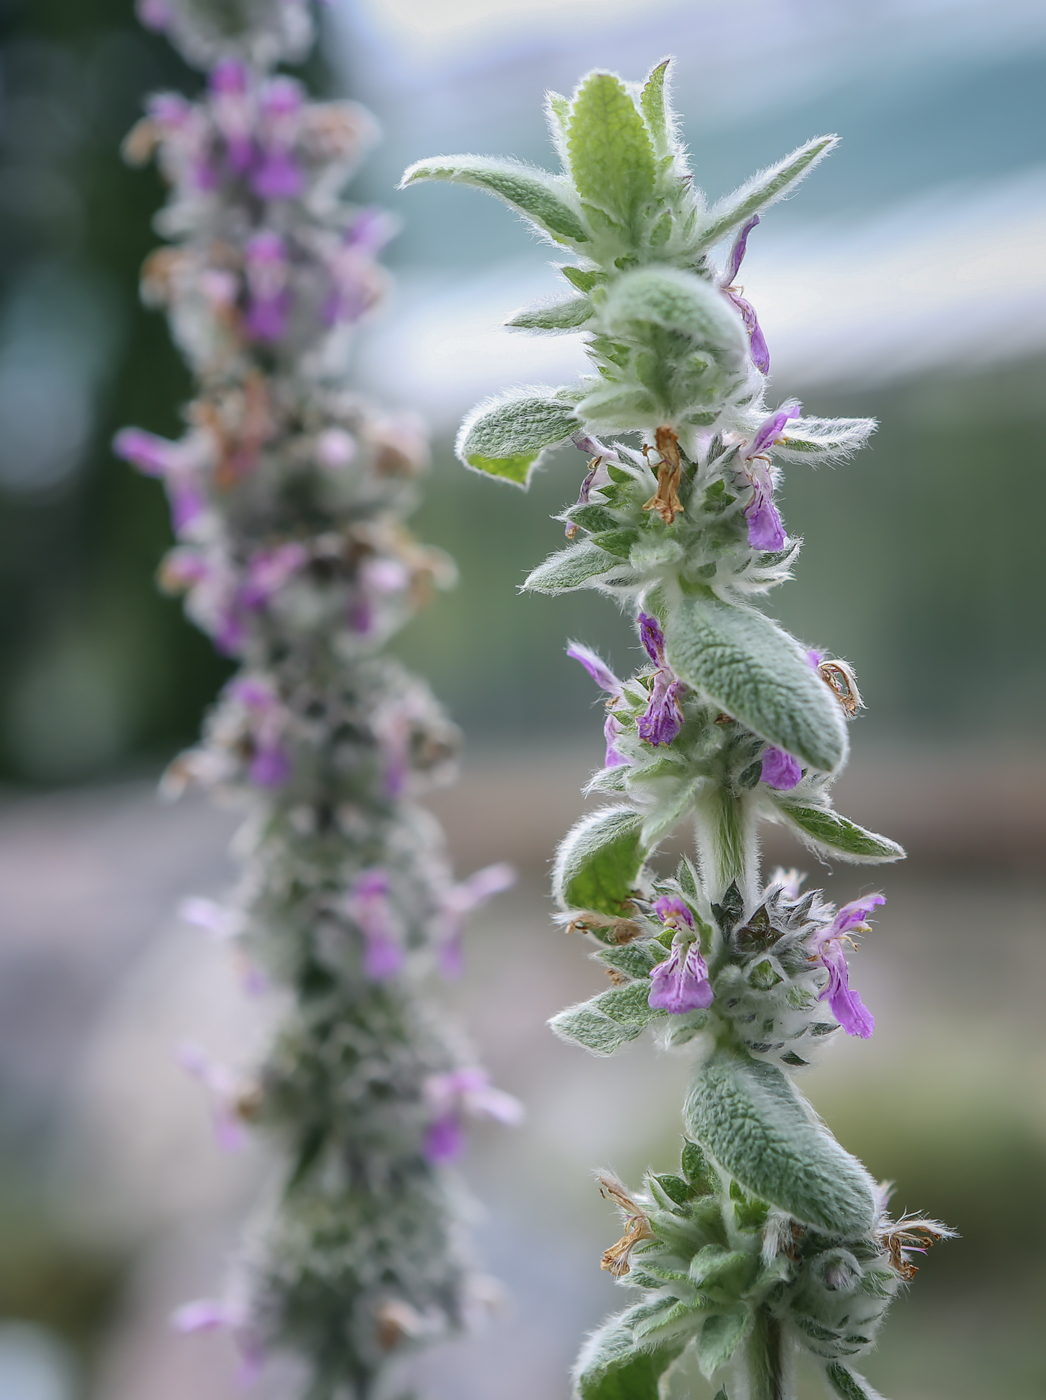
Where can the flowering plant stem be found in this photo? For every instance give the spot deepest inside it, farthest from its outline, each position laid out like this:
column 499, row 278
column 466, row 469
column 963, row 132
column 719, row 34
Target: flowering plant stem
column 771, row 1237
column 288, row 494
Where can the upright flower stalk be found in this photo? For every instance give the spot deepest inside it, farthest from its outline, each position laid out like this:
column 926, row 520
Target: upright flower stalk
column 771, row 1237
column 288, row 493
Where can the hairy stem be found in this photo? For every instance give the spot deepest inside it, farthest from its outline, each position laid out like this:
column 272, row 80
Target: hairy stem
column 725, row 831
column 765, row 1363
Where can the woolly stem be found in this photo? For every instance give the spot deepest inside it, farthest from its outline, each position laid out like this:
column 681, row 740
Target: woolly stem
column 765, row 1363
column 727, row 849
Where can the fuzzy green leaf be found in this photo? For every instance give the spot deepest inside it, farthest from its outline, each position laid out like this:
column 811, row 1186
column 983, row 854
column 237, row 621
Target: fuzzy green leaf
column 753, row 1123
column 763, row 189
column 535, row 193
column 652, row 100
column 629, row 1004
column 611, row 156
column 599, row 861
column 569, row 568
column 614, row 1366
column 823, row 439
column 758, row 673
column 673, row 300
column 847, row 1384
column 828, row 831
column 581, row 278
column 563, row 316
column 720, row 1337
column 586, row 1025
column 635, row 959
column 506, row 438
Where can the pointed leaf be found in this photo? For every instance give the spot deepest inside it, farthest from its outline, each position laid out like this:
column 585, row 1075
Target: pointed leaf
column 611, row 157
column 652, row 100
column 763, row 189
column 760, row 675
column 587, row 1026
column 720, row 1337
column 505, row 437
column 847, row 1384
column 541, row 197
column 823, row 439
column 613, row 1366
column 599, row 861
column 630, row 1004
column 750, row 1119
column 563, row 316
column 569, row 568
column 825, row 830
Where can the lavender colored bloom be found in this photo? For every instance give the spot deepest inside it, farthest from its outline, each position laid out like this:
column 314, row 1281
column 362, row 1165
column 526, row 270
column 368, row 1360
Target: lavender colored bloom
column 663, row 718
column 230, row 102
column 765, row 531
column 368, row 905
column 826, row 947
column 210, row 1314
column 458, row 1094
column 756, row 339
column 779, row 769
column 269, row 765
column 279, row 176
column 226, row 1090
column 154, row 14
column 671, row 910
column 267, row 270
column 176, row 463
column 459, row 901
column 268, row 570
column 370, row 230
column 680, row 983
column 606, row 680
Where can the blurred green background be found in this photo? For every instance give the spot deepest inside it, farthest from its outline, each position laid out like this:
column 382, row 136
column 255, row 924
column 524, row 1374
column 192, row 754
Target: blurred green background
column 922, row 567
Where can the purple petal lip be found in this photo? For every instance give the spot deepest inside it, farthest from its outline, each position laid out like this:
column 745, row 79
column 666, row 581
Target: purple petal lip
column 614, row 757
column 737, row 252
column 662, row 720
column 779, row 769
column 680, row 983
column 771, row 429
column 668, row 907
column 278, row 177
column 596, row 668
column 445, row 1138
column 652, row 637
column 228, row 78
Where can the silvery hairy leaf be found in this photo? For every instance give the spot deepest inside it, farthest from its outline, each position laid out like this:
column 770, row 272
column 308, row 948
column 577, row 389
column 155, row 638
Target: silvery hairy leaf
column 848, row 1385
column 759, row 675
column 826, row 831
column 823, row 439
column 599, row 861
column 764, row 189
column 545, row 199
column 753, row 1123
column 562, row 316
column 611, row 154
column 720, row 1337
column 673, row 300
column 505, row 437
column 569, row 568
column 615, row 1365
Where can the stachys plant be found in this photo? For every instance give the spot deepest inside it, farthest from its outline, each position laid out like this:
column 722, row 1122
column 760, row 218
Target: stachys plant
column 771, row 1237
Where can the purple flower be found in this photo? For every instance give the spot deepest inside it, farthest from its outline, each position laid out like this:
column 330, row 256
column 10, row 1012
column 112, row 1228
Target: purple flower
column 178, row 463
column 356, row 281
column 680, row 983
column 154, row 14
column 279, row 176
column 369, row 907
column 670, row 910
column 228, row 1093
column 663, row 718
column 268, row 570
column 210, row 1314
column 756, row 340
column 267, row 270
column 231, row 105
column 780, row 769
column 270, row 765
column 826, row 947
column 606, row 680
column 765, row 531
column 370, row 230
column 453, row 1096
column 459, row 901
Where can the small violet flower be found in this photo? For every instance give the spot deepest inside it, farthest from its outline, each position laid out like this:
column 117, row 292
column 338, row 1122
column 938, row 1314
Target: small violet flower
column 269, row 765
column 267, row 572
column 210, row 1314
column 231, row 105
column 230, row 1094
column 267, row 269
column 826, row 947
column 760, row 354
column 680, row 983
column 765, row 530
column 663, row 718
column 606, row 680
column 177, row 463
column 459, row 901
column 369, row 907
column 779, row 769
column 279, row 176
column 452, row 1097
